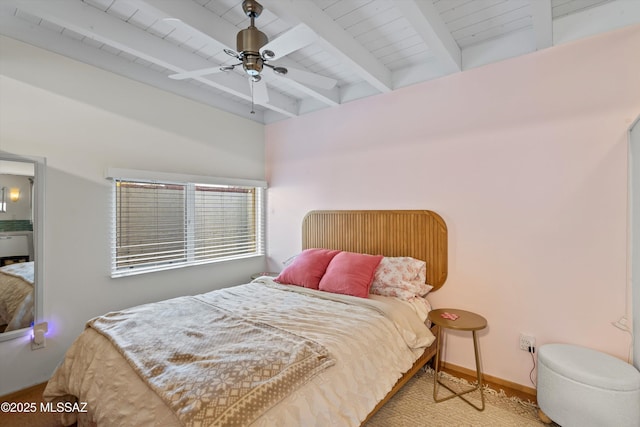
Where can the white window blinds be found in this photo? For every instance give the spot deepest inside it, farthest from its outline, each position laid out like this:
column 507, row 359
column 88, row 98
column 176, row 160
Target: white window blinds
column 160, row 225
column 225, row 222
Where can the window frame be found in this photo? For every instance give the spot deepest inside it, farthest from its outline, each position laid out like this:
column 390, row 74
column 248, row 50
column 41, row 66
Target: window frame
column 190, row 182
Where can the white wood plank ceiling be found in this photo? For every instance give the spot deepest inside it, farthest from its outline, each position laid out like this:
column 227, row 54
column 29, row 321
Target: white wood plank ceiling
column 367, row 46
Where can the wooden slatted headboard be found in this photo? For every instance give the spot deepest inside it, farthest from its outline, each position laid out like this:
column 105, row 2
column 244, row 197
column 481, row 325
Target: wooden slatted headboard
column 420, row 234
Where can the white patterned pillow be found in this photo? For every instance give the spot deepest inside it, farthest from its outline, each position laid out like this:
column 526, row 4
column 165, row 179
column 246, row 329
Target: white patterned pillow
column 402, row 277
column 394, row 292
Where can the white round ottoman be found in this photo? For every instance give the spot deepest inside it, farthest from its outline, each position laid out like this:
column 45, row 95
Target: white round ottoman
column 578, row 386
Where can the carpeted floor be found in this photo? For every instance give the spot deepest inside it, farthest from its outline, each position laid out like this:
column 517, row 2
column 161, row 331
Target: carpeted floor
column 414, row 406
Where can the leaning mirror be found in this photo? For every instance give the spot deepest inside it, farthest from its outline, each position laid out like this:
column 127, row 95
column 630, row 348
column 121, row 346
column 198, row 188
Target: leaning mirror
column 21, row 264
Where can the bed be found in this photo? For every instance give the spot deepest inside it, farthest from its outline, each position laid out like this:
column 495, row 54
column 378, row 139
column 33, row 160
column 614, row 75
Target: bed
column 345, row 355
column 16, row 296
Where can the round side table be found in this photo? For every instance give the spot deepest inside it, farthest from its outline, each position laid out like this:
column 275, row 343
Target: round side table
column 460, row 320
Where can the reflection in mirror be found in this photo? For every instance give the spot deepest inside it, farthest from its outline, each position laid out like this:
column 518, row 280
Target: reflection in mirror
column 3, row 203
column 21, row 183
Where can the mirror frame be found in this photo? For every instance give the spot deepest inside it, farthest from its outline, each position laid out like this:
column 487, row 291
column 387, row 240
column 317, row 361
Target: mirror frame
column 40, row 167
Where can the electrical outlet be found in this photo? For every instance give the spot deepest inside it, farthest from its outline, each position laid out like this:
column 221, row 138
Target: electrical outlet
column 38, row 339
column 527, row 342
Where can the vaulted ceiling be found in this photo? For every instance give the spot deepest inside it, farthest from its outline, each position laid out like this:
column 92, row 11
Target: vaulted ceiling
column 359, row 47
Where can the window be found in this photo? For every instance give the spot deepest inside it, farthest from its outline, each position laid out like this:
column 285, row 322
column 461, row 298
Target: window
column 163, row 224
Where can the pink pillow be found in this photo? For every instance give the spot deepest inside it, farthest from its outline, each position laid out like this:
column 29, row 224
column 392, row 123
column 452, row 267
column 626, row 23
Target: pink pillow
column 350, row 273
column 307, row 268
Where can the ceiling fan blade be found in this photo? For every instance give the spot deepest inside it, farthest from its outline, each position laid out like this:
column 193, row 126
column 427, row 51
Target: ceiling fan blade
column 310, row 79
column 292, row 40
column 260, row 93
column 195, row 73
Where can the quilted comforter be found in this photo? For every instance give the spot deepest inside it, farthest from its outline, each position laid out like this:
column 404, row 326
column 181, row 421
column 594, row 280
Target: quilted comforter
column 370, row 341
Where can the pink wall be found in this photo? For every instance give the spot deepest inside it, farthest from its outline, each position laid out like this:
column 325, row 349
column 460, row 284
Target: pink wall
column 526, row 162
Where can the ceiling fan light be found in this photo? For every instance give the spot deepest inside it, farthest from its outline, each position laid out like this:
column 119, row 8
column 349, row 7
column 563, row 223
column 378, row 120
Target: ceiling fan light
column 280, row 70
column 231, row 52
column 252, row 64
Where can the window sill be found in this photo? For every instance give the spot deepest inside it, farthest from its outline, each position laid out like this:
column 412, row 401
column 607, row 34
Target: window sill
column 137, row 271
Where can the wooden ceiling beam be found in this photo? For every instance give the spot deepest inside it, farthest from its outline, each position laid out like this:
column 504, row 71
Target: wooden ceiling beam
column 542, row 23
column 428, row 23
column 335, row 40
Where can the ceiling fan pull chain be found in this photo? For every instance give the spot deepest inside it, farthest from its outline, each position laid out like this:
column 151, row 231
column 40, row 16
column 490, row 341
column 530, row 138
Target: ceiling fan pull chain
column 252, row 82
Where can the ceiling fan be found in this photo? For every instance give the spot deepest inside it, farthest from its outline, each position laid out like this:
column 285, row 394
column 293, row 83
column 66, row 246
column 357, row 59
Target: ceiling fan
column 254, row 51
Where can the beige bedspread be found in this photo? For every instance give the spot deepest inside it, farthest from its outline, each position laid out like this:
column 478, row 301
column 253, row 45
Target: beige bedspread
column 209, row 366
column 16, row 296
column 373, row 341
